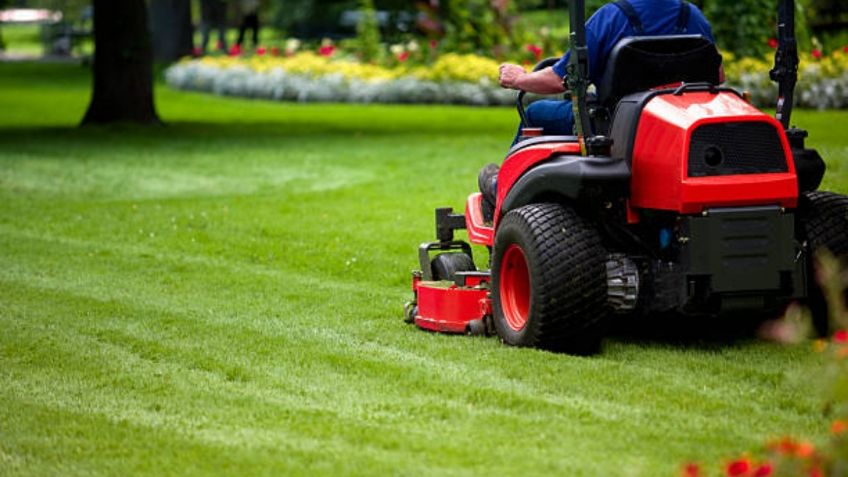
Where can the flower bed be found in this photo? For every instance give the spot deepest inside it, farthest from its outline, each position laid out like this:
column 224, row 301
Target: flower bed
column 455, row 79
column 307, row 77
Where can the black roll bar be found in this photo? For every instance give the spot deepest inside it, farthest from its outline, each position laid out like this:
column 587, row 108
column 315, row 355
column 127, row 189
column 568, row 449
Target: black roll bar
column 785, row 71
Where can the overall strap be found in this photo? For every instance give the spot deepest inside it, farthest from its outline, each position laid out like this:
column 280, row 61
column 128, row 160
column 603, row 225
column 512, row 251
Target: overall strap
column 632, row 17
column 683, row 17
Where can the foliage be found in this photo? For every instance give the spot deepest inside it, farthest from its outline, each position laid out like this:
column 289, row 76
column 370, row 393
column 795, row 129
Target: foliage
column 478, row 26
column 742, row 26
column 368, row 33
column 222, row 297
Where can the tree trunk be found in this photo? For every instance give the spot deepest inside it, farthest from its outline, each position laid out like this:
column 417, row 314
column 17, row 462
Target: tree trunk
column 123, row 64
column 171, row 28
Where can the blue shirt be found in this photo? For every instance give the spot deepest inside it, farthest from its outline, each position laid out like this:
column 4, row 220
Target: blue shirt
column 609, row 25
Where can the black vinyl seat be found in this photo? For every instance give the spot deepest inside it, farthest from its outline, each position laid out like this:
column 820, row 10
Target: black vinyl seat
column 643, row 62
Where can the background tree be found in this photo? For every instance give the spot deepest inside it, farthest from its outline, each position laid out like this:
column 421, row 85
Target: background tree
column 123, row 64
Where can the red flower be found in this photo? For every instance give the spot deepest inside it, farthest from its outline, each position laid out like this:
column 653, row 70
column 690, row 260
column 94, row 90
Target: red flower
column 840, row 336
column 691, row 470
column 275, row 51
column 261, row 51
column 537, row 52
column 433, row 44
column 772, row 43
column 816, row 472
column 235, row 50
column 327, row 50
column 219, row 45
column 403, row 56
column 784, row 446
column 764, row 470
column 845, row 49
column 196, row 51
column 838, row 427
column 817, row 54
column 738, row 468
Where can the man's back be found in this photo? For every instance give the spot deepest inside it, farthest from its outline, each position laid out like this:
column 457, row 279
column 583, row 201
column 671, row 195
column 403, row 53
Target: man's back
column 649, row 18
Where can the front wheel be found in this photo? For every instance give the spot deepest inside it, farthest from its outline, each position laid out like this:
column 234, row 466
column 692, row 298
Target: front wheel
column 549, row 280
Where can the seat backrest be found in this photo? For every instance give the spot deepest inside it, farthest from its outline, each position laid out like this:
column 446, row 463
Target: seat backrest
column 643, row 62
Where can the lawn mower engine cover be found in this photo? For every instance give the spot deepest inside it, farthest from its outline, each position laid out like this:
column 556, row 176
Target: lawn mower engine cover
column 707, row 149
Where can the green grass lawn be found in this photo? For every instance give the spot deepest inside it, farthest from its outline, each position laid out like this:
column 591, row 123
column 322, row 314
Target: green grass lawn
column 223, row 296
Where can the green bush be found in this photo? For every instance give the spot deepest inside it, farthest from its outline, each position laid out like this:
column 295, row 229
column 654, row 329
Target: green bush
column 368, row 33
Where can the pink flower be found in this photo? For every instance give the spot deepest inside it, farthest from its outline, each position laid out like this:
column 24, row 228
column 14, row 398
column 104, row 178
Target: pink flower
column 235, row 50
column 817, row 54
column 403, row 56
column 840, row 336
column 261, row 51
column 772, row 43
column 327, row 50
column 433, row 44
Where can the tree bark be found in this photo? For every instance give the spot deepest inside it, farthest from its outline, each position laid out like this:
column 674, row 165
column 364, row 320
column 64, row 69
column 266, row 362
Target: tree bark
column 171, row 29
column 123, row 64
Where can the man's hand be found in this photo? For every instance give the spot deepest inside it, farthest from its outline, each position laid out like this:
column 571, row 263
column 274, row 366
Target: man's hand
column 509, row 74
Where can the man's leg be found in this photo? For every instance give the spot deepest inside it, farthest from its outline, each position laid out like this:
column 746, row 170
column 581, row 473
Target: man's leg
column 553, row 115
column 254, row 24
column 487, row 182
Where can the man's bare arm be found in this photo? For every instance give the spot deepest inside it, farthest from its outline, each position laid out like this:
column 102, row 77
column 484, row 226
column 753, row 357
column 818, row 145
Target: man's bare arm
column 544, row 81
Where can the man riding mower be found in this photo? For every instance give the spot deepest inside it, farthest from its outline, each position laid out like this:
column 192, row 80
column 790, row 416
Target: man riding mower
column 673, row 195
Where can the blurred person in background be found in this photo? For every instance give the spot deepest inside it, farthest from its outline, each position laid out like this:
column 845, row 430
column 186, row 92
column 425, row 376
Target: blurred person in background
column 250, row 20
column 213, row 16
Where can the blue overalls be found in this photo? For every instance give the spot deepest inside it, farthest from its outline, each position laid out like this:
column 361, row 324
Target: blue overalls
column 605, row 28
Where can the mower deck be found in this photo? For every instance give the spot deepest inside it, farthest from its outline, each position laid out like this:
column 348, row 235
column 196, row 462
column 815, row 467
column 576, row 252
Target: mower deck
column 449, row 307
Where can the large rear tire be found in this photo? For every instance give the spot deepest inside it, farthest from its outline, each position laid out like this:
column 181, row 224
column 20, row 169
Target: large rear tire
column 824, row 224
column 549, row 280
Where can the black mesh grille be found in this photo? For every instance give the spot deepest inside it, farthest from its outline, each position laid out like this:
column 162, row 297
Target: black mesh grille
column 735, row 148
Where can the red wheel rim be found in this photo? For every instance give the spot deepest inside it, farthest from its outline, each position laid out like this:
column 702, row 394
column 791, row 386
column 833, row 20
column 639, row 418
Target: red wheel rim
column 515, row 288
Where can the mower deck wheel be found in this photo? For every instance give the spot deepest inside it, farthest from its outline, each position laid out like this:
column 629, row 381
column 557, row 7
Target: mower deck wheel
column 549, row 280
column 476, row 328
column 445, row 265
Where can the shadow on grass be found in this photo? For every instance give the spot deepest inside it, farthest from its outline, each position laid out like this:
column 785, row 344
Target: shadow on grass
column 703, row 332
column 311, row 130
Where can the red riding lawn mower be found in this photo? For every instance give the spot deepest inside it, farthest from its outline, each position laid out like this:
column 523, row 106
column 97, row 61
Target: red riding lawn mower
column 675, row 196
